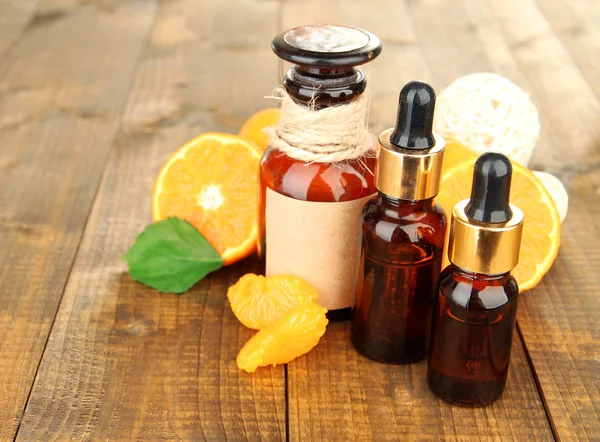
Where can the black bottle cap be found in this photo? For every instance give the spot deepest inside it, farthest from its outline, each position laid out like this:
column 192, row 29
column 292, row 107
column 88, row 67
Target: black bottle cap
column 414, row 125
column 490, row 194
column 326, row 46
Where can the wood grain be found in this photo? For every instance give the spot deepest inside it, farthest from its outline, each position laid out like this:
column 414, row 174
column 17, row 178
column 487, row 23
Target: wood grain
column 56, row 122
column 567, row 100
column 464, row 38
column 547, row 154
column 14, row 17
column 505, row 33
column 366, row 400
column 560, row 319
column 576, row 25
column 336, row 394
column 124, row 362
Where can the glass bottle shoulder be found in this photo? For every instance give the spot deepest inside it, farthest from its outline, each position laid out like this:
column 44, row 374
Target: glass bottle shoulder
column 320, row 182
column 469, row 291
column 405, row 222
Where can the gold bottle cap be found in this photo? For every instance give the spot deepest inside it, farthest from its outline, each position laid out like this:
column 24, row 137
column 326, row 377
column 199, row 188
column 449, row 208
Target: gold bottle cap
column 490, row 249
column 409, row 161
column 486, row 230
column 408, row 174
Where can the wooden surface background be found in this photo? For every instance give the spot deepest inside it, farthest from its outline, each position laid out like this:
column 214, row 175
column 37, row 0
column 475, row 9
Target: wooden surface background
column 96, row 94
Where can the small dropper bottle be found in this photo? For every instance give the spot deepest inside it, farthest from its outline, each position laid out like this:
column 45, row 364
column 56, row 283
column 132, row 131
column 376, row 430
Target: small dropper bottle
column 476, row 307
column 403, row 232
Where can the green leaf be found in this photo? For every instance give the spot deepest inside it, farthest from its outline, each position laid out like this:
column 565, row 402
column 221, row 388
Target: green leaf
column 171, row 256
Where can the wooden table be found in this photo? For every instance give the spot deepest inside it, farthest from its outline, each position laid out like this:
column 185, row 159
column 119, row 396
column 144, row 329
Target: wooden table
column 95, row 95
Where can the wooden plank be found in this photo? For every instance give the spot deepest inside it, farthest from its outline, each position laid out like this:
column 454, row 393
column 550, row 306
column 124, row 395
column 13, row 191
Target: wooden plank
column 124, row 362
column 56, row 123
column 558, row 85
column 561, row 335
column 515, row 40
column 366, row 400
column 576, row 24
column 547, row 154
column 560, row 320
column 336, row 394
column 14, row 17
column 464, row 38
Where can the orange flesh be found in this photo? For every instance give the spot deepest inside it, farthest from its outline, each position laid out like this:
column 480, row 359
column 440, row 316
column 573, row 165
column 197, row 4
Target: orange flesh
column 211, row 182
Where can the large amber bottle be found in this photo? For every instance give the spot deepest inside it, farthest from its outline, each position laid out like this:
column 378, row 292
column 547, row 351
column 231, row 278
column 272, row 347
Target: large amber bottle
column 403, row 237
column 310, row 199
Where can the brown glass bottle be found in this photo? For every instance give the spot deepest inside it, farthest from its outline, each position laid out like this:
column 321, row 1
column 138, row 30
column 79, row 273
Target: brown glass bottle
column 403, row 237
column 476, row 304
column 473, row 323
column 319, row 182
column 324, row 76
column 401, row 259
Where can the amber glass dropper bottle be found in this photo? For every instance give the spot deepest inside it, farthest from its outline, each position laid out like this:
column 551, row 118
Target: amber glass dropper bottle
column 403, row 237
column 476, row 306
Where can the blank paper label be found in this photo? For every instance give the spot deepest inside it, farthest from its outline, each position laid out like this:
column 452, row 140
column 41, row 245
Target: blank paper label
column 319, row 242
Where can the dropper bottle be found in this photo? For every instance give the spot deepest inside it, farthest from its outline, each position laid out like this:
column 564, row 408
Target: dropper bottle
column 476, row 306
column 403, row 232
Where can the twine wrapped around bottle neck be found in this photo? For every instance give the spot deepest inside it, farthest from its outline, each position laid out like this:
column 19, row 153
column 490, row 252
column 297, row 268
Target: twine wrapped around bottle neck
column 328, row 135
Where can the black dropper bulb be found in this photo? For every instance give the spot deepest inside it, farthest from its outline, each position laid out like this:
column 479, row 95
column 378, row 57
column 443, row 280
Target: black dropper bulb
column 490, row 194
column 415, row 117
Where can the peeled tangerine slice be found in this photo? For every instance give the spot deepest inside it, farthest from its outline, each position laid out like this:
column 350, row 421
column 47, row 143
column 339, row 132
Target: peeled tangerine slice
column 296, row 333
column 258, row 301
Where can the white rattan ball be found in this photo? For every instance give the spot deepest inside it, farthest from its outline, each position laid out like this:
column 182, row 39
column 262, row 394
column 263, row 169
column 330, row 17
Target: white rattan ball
column 485, row 112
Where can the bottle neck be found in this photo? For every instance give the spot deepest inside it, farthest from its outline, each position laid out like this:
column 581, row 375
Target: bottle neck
column 389, row 202
column 324, row 87
column 479, row 276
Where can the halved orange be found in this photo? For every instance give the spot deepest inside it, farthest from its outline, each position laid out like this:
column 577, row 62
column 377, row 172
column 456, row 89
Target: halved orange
column 253, row 128
column 541, row 230
column 212, row 182
column 297, row 332
column 258, row 301
column 456, row 153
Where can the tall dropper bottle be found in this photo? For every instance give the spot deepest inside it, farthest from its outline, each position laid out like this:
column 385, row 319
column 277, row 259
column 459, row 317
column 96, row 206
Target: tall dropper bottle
column 403, row 237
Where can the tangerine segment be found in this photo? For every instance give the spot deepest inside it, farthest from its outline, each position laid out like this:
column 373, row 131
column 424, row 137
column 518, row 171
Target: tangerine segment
column 253, row 128
column 258, row 301
column 212, row 182
column 541, row 231
column 296, row 333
